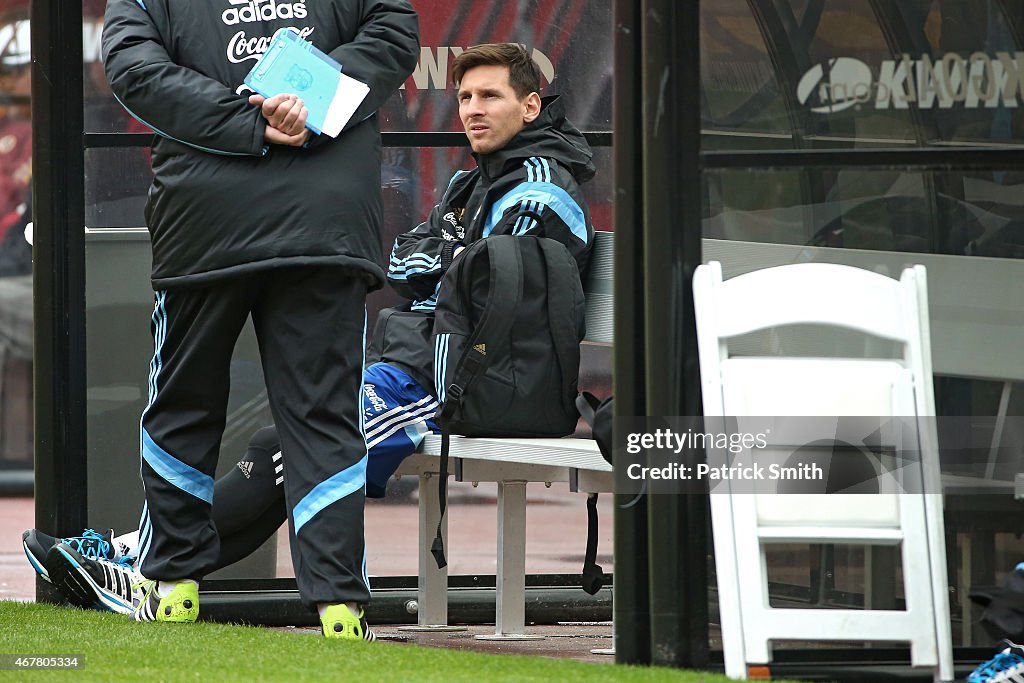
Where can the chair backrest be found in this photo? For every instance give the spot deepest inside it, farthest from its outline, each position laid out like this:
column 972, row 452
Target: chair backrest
column 814, row 293
column 820, row 294
column 850, row 300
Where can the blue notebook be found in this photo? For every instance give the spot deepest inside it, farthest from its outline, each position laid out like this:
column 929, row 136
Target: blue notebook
column 294, row 65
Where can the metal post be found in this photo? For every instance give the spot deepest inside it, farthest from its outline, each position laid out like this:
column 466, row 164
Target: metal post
column 510, row 605
column 58, row 202
column 673, row 197
column 432, row 581
column 631, row 606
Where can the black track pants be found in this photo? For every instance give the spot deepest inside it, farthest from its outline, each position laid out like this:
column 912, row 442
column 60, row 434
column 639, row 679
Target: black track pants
column 310, row 324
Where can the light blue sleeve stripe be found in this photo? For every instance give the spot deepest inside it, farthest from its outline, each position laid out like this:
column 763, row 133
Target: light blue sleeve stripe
column 430, row 303
column 546, row 194
column 141, row 4
column 342, row 484
column 174, row 471
column 453, row 178
column 425, row 306
column 418, row 263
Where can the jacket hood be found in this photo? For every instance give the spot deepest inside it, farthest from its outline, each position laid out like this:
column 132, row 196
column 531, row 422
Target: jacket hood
column 550, row 135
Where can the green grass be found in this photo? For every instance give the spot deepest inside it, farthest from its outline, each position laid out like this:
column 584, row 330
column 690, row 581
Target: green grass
column 117, row 649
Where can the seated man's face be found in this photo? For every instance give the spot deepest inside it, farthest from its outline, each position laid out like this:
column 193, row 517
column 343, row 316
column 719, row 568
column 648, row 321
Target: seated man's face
column 491, row 112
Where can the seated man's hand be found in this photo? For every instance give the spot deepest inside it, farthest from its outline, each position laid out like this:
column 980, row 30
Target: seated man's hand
column 276, row 137
column 284, row 112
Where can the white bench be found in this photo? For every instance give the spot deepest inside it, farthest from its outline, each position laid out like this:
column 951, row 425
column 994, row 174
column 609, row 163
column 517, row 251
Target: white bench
column 511, row 463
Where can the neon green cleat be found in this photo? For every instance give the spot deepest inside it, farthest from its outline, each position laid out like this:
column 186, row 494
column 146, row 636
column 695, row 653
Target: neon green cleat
column 339, row 622
column 181, row 606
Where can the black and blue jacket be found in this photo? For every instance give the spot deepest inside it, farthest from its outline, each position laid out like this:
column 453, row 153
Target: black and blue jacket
column 530, row 187
column 222, row 202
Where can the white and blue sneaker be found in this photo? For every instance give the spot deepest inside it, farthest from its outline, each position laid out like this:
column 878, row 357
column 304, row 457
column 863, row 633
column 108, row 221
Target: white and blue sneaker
column 1005, row 667
column 94, row 583
column 91, row 544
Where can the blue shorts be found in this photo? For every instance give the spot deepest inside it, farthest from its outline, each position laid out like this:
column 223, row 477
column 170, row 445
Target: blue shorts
column 397, row 414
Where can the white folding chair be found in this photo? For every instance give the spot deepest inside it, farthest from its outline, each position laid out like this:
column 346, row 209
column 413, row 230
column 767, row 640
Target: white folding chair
column 744, row 523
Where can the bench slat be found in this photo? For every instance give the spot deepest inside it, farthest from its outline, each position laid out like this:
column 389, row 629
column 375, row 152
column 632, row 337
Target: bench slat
column 568, row 452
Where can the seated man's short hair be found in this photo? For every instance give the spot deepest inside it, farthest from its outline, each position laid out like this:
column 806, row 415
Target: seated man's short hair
column 523, row 72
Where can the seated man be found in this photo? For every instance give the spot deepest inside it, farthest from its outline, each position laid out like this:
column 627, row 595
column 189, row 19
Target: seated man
column 530, row 161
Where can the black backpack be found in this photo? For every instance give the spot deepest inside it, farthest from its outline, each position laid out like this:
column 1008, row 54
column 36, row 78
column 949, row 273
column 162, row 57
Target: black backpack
column 507, row 330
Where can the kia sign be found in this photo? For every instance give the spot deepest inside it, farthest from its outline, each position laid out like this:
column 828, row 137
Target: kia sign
column 977, row 81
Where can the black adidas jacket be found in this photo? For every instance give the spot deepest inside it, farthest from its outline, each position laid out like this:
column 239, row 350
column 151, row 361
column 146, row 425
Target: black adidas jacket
column 530, row 187
column 222, row 202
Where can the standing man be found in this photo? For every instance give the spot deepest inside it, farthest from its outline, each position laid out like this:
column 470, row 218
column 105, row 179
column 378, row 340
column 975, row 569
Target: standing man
column 250, row 215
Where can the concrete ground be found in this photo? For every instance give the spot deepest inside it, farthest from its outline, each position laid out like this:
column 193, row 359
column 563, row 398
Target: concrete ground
column 574, row 641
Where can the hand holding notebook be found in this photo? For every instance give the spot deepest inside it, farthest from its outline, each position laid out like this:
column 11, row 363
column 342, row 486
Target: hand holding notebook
column 295, row 66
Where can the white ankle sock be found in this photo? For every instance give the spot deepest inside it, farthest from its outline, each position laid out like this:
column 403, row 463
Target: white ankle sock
column 125, row 545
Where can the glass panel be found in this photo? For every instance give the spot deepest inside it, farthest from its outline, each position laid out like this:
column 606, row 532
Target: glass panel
column 101, row 111
column 957, row 213
column 412, row 179
column 576, row 63
column 742, row 91
column 116, row 183
column 817, row 576
column 856, row 73
column 556, row 529
column 964, row 228
column 15, row 252
column 119, row 305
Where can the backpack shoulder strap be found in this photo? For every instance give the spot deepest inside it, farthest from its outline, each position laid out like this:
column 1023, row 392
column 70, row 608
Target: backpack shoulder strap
column 586, row 404
column 504, row 294
column 503, row 297
column 562, row 283
column 437, row 547
column 593, row 574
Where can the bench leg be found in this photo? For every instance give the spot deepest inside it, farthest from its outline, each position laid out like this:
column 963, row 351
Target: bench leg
column 510, row 619
column 432, row 585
